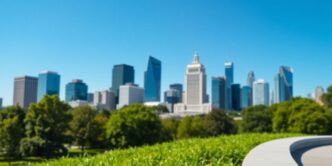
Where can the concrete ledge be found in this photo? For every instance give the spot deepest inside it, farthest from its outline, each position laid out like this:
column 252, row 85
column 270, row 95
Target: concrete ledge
column 286, row 151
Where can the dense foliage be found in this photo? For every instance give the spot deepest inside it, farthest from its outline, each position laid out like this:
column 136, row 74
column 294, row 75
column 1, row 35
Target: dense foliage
column 134, row 125
column 223, row 150
column 256, row 119
column 327, row 98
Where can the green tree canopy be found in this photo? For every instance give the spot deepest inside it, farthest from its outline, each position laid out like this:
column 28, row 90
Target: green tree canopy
column 327, row 98
column 134, row 125
column 300, row 116
column 256, row 119
column 191, row 127
column 46, row 123
column 217, row 122
column 83, row 125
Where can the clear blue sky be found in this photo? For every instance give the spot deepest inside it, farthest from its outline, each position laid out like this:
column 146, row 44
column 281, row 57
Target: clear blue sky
column 84, row 39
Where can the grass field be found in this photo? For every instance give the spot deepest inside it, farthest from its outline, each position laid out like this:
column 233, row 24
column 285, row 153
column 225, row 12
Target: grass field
column 223, row 150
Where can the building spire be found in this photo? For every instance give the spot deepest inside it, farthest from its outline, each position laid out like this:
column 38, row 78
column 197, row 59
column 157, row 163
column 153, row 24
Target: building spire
column 196, row 58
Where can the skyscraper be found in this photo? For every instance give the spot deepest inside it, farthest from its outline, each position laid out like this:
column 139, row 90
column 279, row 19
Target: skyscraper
column 319, row 91
column 246, row 96
column 283, row 82
column 104, row 100
column 251, row 79
column 261, row 93
column 152, row 80
column 48, row 84
column 229, row 73
column 0, row 103
column 195, row 100
column 172, row 97
column 236, row 97
column 218, row 92
column 178, row 87
column 25, row 91
column 76, row 90
column 122, row 74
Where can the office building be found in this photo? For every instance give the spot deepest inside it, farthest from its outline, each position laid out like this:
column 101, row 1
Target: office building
column 25, row 91
column 76, row 90
column 229, row 73
column 90, row 98
column 236, row 97
column 172, row 97
column 195, row 100
column 246, row 96
column 104, row 100
column 48, row 84
column 261, row 93
column 1, row 101
column 130, row 94
column 178, row 87
column 251, row 79
column 283, row 82
column 319, row 91
column 152, row 81
column 122, row 74
column 218, row 92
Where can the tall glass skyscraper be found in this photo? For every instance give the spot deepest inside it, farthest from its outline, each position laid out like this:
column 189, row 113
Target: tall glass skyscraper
column 236, row 97
column 76, row 90
column 152, row 80
column 251, row 79
column 261, row 93
column 218, row 92
column 229, row 73
column 48, row 84
column 246, row 96
column 283, row 83
column 121, row 75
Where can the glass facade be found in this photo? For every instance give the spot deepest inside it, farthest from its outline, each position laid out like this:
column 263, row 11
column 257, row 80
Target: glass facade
column 236, row 97
column 218, row 92
column 48, row 84
column 246, row 92
column 152, row 80
column 284, row 84
column 178, row 87
column 229, row 73
column 76, row 90
column 261, row 93
column 121, row 75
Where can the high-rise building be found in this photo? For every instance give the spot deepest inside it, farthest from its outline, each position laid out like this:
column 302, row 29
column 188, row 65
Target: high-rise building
column 1, row 103
column 251, row 79
column 76, row 90
column 121, row 75
column 172, row 97
column 319, row 91
column 218, row 92
column 236, row 97
column 246, row 96
column 229, row 73
column 48, row 84
column 261, row 93
column 25, row 91
column 195, row 100
column 178, row 87
column 283, row 82
column 104, row 100
column 90, row 98
column 130, row 94
column 152, row 80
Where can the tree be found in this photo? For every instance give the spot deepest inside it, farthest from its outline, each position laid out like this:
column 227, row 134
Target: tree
column 160, row 109
column 191, row 127
column 99, row 131
column 170, row 127
column 301, row 116
column 217, row 122
column 11, row 131
column 256, row 119
column 46, row 123
column 134, row 125
column 82, row 125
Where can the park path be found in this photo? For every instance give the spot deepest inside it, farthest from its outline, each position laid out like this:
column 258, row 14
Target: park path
column 320, row 156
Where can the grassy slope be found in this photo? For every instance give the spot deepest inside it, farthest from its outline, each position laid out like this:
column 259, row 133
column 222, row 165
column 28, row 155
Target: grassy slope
column 223, row 150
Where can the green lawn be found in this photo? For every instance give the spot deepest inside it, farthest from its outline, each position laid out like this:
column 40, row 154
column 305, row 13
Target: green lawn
column 223, row 150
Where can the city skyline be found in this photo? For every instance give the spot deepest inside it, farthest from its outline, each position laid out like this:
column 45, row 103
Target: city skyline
column 86, row 40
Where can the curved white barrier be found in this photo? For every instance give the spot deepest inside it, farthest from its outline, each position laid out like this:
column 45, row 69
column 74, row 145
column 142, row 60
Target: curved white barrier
column 285, row 151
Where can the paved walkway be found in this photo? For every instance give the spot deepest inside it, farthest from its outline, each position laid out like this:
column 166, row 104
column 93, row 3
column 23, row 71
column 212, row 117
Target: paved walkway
column 321, row 156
